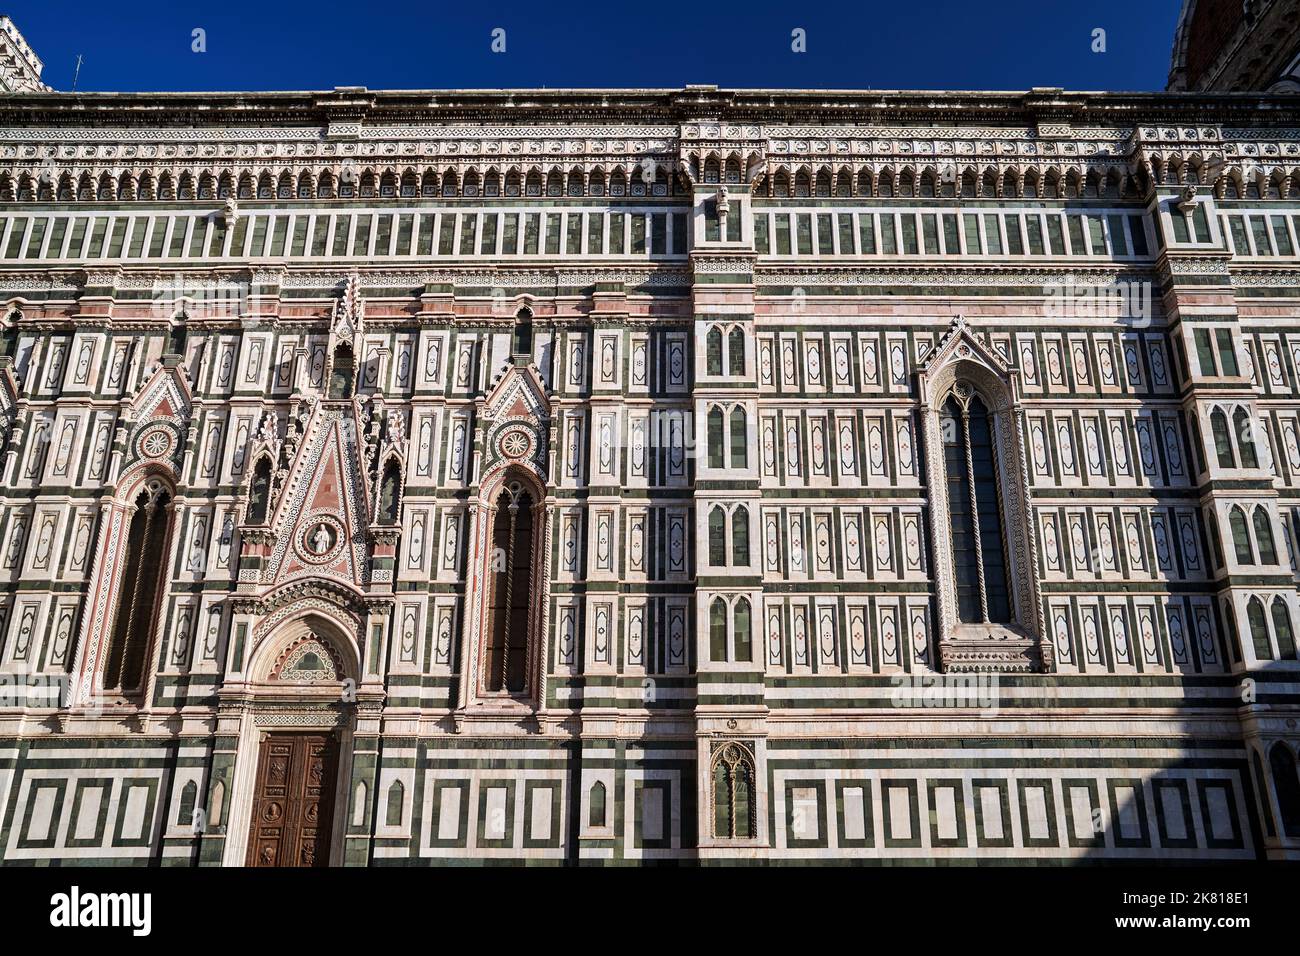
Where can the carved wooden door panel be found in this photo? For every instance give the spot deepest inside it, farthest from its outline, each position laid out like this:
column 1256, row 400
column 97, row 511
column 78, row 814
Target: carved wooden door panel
column 293, row 801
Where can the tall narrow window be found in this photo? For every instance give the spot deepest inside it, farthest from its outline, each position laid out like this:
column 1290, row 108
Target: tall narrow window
column 741, row 635
column 1286, row 784
column 964, row 555
column 522, row 343
column 736, row 350
column 717, row 454
column 1245, row 438
column 259, row 492
column 1240, row 536
column 341, row 376
column 718, row 630
column 395, row 803
column 734, row 809
column 137, row 603
column 739, row 445
column 1222, row 443
column 1264, row 536
column 740, row 536
column 596, row 805
column 505, row 659
column 1205, row 352
column 979, row 556
column 713, row 352
column 1234, row 639
column 717, row 537
column 176, row 336
column 1282, row 630
column 1258, row 629
column 1227, row 352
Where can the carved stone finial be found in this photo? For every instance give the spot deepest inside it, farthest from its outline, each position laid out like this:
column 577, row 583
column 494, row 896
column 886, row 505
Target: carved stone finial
column 349, row 310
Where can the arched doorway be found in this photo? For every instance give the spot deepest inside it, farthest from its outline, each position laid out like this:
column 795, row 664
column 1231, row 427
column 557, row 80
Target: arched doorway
column 295, row 746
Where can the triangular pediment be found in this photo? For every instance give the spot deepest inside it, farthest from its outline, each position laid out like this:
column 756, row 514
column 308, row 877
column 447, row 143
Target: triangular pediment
column 961, row 349
column 518, row 393
column 961, row 342
column 319, row 523
column 161, row 416
column 165, row 394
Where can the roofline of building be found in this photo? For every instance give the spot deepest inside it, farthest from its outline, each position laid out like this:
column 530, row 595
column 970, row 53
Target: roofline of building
column 642, row 106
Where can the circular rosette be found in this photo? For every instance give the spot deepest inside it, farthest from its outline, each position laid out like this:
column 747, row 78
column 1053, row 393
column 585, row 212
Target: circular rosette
column 156, row 442
column 515, row 443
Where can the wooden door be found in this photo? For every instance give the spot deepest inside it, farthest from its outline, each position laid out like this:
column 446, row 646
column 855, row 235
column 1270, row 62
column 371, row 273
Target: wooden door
column 293, row 801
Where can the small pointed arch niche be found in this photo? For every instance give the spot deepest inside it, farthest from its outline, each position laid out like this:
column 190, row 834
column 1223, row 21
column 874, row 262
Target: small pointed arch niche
column 388, row 507
column 342, row 372
column 259, row 492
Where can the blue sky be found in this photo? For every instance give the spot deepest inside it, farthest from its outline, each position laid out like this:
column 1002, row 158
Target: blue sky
column 396, row 44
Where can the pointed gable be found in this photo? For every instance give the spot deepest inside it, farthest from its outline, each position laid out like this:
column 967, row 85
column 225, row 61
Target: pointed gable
column 160, row 416
column 960, row 348
column 320, row 520
column 165, row 394
column 518, row 393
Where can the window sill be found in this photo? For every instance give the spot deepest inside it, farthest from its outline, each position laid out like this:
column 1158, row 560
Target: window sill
column 985, row 648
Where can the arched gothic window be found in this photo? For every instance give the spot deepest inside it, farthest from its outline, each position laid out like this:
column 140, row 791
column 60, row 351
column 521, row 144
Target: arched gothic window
column 1246, row 444
column 138, row 591
column 713, row 352
column 740, row 536
column 739, row 446
column 734, row 808
column 736, row 352
column 1258, row 629
column 974, row 509
column 717, row 537
column 718, row 630
column 742, row 639
column 1234, row 639
column 1282, row 629
column 1222, row 442
column 1286, row 784
column 1264, row 536
column 717, row 454
column 259, row 492
column 1240, row 536
column 341, row 375
column 505, row 658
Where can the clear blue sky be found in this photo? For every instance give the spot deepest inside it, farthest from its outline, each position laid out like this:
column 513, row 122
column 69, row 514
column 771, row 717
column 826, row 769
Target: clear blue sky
column 397, row 44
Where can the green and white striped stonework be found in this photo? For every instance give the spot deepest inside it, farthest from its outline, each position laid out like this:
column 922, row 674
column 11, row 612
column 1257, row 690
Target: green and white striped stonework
column 712, row 336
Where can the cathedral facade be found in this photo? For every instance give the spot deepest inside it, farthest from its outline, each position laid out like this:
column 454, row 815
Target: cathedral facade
column 648, row 476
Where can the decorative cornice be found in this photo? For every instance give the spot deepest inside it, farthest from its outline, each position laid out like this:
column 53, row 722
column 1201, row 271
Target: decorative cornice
column 893, row 275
